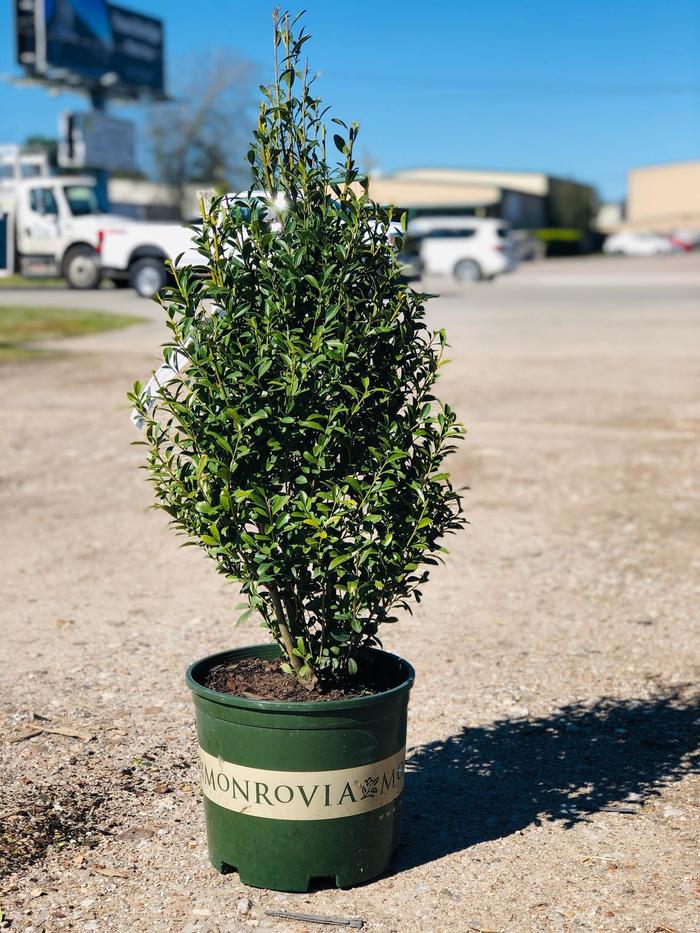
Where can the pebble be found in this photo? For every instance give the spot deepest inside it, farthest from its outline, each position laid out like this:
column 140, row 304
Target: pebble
column 244, row 906
column 446, row 892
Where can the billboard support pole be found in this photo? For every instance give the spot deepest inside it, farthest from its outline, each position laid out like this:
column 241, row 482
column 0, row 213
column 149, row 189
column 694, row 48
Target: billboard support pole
column 99, row 103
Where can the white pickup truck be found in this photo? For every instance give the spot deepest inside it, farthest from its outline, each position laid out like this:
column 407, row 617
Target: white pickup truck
column 49, row 224
column 137, row 251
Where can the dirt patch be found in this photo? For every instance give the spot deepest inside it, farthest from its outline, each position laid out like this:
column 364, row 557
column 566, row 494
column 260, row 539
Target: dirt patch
column 258, row 679
column 40, row 817
column 72, row 802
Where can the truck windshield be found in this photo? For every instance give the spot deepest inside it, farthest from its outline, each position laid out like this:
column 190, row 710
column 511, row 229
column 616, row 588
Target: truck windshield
column 83, row 199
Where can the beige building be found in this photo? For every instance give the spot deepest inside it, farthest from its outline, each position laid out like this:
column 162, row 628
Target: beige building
column 664, row 197
column 530, row 182
column 151, row 200
column 525, row 199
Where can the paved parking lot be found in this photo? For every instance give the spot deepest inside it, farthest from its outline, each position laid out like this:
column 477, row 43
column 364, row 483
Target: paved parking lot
column 552, row 718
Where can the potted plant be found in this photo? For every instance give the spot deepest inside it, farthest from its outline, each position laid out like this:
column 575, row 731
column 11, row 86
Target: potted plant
column 293, row 435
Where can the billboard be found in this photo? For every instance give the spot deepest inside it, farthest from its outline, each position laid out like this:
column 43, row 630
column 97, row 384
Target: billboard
column 96, row 140
column 91, row 43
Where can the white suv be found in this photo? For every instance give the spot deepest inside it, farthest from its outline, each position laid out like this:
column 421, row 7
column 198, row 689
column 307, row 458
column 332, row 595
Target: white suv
column 469, row 248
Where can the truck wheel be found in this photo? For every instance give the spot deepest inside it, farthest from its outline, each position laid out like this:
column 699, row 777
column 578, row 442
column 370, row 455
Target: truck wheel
column 81, row 267
column 147, row 276
column 467, row 270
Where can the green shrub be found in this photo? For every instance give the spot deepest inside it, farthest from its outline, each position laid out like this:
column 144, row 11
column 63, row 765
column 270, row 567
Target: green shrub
column 300, row 445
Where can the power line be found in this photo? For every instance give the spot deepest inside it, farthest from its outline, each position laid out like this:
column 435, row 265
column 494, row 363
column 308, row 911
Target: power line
column 418, row 82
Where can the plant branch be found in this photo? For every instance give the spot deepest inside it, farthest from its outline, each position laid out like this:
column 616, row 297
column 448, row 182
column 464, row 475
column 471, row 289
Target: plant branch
column 285, row 634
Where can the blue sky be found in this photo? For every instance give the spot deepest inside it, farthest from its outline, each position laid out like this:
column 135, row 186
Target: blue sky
column 585, row 89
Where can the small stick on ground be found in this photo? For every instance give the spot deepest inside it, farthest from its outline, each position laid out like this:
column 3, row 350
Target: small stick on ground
column 602, row 858
column 26, row 735
column 71, row 733
column 313, row 918
column 53, row 730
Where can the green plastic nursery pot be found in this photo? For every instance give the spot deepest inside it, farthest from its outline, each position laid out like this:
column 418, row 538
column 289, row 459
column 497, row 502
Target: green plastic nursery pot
column 297, row 793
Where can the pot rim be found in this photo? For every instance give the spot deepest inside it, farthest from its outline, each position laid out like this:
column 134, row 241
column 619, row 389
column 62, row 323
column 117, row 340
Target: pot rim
column 290, row 706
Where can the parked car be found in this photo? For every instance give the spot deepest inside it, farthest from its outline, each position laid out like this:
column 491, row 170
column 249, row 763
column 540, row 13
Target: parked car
column 685, row 240
column 635, row 243
column 468, row 248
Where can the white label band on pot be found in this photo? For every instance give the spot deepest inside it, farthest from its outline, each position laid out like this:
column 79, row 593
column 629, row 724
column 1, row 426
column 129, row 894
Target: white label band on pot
column 302, row 795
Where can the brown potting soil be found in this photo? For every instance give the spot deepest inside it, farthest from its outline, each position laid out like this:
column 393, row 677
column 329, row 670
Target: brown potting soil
column 259, row 679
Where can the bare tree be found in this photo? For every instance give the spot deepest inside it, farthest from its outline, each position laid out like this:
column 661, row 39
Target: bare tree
column 201, row 136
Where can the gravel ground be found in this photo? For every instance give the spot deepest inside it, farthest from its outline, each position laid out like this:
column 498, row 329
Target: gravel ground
column 551, row 725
